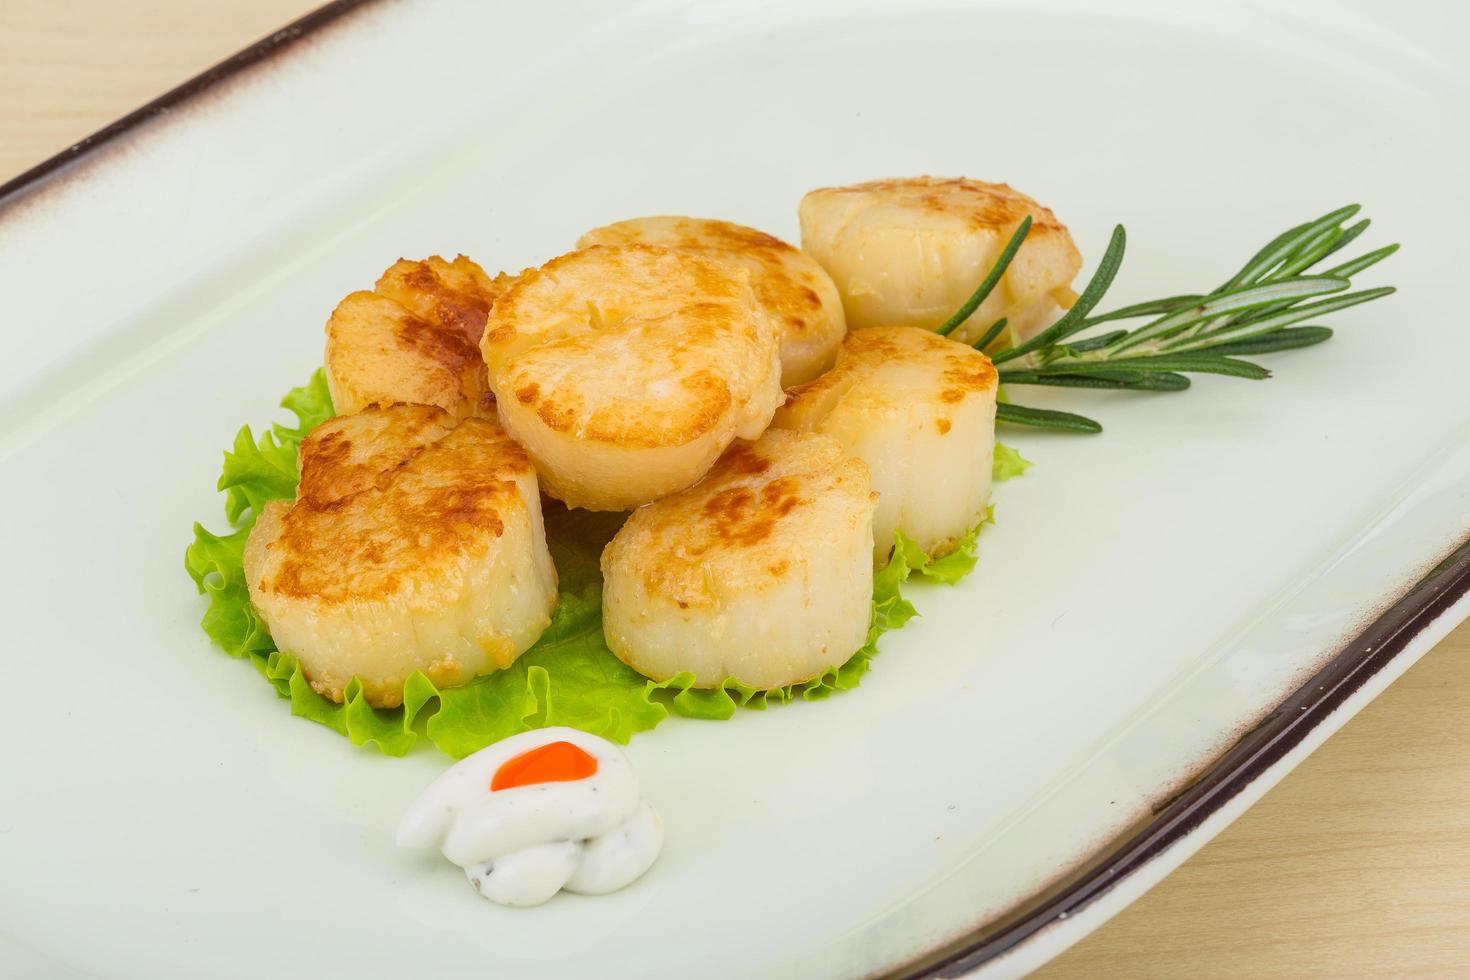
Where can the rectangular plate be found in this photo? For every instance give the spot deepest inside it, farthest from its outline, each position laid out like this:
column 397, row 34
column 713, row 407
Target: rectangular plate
column 1165, row 620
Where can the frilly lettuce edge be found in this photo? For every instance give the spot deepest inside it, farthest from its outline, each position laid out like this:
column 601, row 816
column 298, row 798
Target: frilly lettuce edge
column 569, row 677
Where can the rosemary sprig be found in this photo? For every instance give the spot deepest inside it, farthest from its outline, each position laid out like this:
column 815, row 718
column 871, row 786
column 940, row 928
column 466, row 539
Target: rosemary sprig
column 1256, row 311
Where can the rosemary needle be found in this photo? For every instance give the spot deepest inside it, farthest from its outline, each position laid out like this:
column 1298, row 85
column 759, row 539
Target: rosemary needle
column 1045, row 418
column 989, row 336
column 989, row 282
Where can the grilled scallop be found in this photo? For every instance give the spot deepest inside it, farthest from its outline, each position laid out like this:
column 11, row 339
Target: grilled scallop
column 919, row 410
column 762, row 571
column 414, row 543
column 792, row 287
column 414, row 338
column 909, row 252
column 626, row 370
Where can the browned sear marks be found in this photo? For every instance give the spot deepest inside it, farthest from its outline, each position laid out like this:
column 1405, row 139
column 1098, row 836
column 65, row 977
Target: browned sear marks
column 704, row 313
column 414, row 338
column 743, row 459
column 454, row 296
column 750, row 520
column 786, row 282
column 989, row 205
column 389, row 493
column 741, row 516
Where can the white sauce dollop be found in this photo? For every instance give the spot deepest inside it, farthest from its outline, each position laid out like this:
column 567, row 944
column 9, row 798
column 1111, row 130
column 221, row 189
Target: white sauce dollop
column 523, row 844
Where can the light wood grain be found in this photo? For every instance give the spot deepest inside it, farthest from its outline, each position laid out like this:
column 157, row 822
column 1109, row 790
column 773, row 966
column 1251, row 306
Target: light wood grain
column 70, row 67
column 1357, row 865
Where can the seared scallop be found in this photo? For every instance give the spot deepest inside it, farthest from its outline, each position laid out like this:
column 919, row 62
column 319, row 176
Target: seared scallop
column 793, row 288
column 414, row 338
column 415, row 542
column 626, row 370
column 762, row 571
column 919, row 410
column 910, row 252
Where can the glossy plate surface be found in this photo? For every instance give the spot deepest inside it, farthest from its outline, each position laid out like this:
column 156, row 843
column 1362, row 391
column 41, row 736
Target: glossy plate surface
column 1148, row 597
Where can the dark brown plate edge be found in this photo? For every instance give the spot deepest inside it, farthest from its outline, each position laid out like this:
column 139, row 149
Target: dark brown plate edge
column 266, row 48
column 1378, row 645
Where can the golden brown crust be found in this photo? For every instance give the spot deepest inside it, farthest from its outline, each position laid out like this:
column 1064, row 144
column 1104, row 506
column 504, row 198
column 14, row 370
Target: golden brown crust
column 964, row 369
column 762, row 571
column 349, row 454
column 985, row 206
column 414, row 544
column 794, row 290
column 382, row 503
column 455, row 296
column 625, row 370
column 414, row 338
column 785, row 281
column 962, row 372
column 919, row 410
column 746, row 518
column 909, row 251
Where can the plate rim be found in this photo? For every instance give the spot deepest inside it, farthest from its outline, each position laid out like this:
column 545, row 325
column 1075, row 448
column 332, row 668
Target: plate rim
column 1381, row 641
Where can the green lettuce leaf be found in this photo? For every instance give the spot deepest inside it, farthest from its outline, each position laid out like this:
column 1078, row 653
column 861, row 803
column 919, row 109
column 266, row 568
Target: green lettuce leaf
column 1006, row 463
column 216, row 564
column 569, row 677
column 390, row 730
column 575, row 682
column 258, row 471
column 955, row 565
column 311, row 404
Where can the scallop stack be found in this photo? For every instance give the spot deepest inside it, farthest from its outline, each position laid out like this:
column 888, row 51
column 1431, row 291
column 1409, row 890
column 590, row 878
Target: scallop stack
column 770, row 417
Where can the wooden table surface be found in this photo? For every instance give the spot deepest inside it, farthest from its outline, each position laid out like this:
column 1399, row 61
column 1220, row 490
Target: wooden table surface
column 1357, row 865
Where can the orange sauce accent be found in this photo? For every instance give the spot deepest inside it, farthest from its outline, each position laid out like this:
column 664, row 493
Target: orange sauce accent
column 554, row 762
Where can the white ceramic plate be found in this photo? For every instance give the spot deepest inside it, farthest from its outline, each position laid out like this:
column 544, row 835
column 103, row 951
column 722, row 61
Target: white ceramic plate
column 1192, row 580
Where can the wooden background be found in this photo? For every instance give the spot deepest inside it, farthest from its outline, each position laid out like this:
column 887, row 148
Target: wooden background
column 1358, row 864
